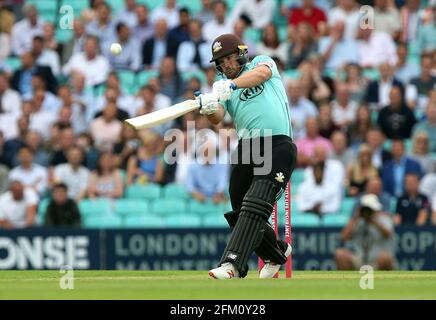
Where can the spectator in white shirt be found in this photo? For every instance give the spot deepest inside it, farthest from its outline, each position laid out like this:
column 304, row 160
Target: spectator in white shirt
column 130, row 56
column 90, row 63
column 169, row 12
column 41, row 120
column 195, row 53
column 24, row 30
column 348, row 12
column 219, row 25
column 260, row 12
column 30, row 174
column 73, row 174
column 45, row 56
column 18, row 206
column 128, row 14
column 387, row 18
column 10, row 100
column 106, row 129
column 322, row 189
column 301, row 108
column 376, row 48
column 344, row 109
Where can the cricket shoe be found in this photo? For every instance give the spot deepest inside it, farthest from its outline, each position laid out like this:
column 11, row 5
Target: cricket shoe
column 225, row 271
column 270, row 269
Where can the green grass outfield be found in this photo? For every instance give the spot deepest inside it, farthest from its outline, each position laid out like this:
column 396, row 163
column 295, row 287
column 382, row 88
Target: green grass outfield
column 196, row 285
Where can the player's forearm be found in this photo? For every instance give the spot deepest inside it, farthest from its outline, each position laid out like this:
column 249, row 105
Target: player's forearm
column 253, row 77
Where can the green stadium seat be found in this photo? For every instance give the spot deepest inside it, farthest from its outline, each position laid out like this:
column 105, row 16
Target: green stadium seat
column 175, row 191
column 77, row 5
column 186, row 76
column 334, row 220
column 95, row 207
column 214, row 220
column 126, row 207
column 13, row 63
column 151, row 4
column 143, row 77
column 292, row 74
column 297, row 177
column 347, row 206
column 116, row 5
column 42, row 207
column 103, row 221
column 48, row 16
column 127, row 80
column 183, row 221
column 282, row 32
column 143, row 222
column 203, row 208
column 150, row 191
column 168, row 206
column 63, row 35
column 253, row 34
column 372, row 74
column 194, row 6
column 393, row 205
column 305, row 220
column 45, row 5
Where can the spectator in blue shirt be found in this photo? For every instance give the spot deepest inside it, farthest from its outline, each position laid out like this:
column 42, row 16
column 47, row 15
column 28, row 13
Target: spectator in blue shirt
column 130, row 56
column 395, row 171
column 206, row 177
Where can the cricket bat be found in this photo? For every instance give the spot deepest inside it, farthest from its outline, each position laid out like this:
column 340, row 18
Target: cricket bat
column 158, row 117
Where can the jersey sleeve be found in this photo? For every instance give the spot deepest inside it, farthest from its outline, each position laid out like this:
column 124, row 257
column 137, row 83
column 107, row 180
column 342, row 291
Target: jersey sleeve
column 265, row 61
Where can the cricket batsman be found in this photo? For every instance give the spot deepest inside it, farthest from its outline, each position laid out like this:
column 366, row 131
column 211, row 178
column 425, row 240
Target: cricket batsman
column 253, row 94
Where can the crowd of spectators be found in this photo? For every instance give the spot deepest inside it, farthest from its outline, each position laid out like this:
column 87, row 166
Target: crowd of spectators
column 362, row 102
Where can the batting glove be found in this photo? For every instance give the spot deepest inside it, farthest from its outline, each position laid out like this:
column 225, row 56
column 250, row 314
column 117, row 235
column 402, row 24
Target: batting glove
column 208, row 103
column 223, row 89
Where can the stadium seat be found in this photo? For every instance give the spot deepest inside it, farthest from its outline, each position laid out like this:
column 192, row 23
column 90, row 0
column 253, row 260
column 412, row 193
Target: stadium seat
column 334, row 220
column 127, row 207
column 173, row 190
column 143, row 77
column 127, row 80
column 372, row 74
column 168, row 206
column 292, row 74
column 305, row 220
column 42, row 207
column 253, row 34
column 214, row 220
column 283, row 33
column 297, row 177
column 149, row 191
column 77, row 5
column 194, row 6
column 347, row 206
column 63, row 35
column 97, row 207
column 151, row 4
column 186, row 76
column 13, row 63
column 103, row 221
column 149, row 221
column 203, row 208
column 116, row 5
column 183, row 221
